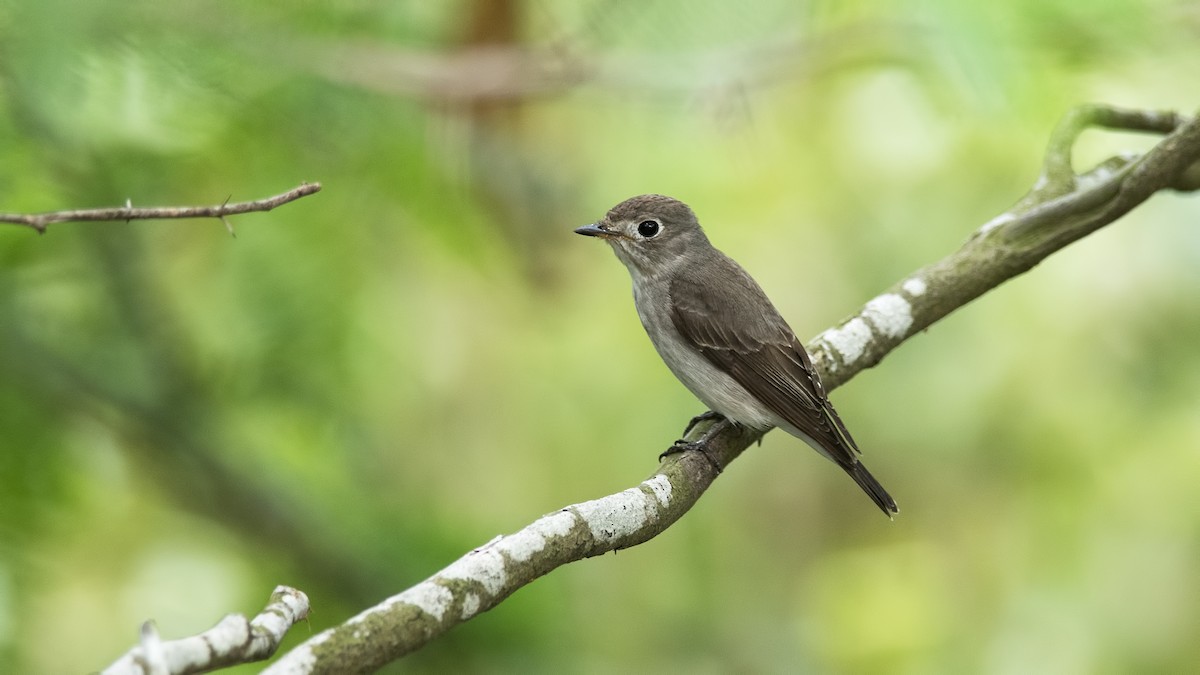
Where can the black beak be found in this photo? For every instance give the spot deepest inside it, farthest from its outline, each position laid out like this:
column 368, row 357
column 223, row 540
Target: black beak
column 593, row 230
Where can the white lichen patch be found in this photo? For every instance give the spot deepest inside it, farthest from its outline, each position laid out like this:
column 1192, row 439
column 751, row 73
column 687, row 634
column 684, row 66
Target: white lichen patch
column 848, row 340
column 522, row 545
column 661, row 487
column 890, row 314
column 996, row 222
column 914, row 286
column 470, row 606
column 428, row 596
column 820, row 357
column 616, row 516
column 484, row 566
column 557, row 524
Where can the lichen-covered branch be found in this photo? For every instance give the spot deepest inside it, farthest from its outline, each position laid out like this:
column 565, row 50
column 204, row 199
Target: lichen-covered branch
column 40, row 221
column 1061, row 208
column 234, row 640
column 487, row 575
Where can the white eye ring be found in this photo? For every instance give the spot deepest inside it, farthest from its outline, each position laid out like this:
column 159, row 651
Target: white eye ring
column 649, row 228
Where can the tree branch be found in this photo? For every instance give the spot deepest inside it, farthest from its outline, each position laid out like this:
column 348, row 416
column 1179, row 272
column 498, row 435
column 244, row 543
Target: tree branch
column 234, row 640
column 1061, row 208
column 40, row 221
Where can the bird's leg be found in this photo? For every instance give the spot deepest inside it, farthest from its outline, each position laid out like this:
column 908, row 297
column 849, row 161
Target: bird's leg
column 700, row 444
column 702, row 417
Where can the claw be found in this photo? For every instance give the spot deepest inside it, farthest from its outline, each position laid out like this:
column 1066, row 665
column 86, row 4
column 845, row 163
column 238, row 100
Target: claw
column 700, row 444
column 702, row 417
column 682, row 445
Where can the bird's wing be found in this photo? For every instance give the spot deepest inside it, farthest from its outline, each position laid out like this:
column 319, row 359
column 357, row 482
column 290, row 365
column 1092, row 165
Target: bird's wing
column 739, row 331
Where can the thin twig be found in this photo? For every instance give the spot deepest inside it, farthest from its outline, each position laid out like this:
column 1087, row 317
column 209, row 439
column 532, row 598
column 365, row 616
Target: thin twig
column 1058, row 176
column 40, row 221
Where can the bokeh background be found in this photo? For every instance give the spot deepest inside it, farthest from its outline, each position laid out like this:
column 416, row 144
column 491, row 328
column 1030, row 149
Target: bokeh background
column 367, row 383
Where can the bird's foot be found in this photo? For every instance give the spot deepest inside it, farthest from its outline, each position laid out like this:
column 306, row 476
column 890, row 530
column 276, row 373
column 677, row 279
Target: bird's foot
column 700, row 445
column 691, row 446
column 703, row 417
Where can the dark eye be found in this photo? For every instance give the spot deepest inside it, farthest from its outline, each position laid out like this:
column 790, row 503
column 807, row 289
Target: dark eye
column 648, row 228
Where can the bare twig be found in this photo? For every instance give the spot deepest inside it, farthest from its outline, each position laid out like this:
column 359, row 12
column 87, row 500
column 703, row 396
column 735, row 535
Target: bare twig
column 234, row 640
column 1003, row 248
column 40, row 221
column 1057, row 172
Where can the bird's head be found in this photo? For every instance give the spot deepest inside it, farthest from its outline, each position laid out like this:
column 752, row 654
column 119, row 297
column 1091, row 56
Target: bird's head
column 649, row 233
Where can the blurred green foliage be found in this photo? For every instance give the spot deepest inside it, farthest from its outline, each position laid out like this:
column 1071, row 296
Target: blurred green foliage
column 365, row 384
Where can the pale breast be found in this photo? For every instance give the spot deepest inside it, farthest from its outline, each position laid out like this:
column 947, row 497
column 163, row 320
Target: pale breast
column 713, row 387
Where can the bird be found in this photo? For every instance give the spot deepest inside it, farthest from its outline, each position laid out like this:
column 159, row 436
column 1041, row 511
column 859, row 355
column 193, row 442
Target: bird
column 721, row 336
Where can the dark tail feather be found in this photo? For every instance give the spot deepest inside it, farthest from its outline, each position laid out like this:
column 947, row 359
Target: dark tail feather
column 872, row 487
